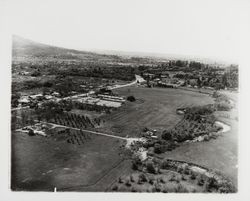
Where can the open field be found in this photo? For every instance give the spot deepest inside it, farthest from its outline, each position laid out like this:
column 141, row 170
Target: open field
column 219, row 154
column 154, row 108
column 40, row 164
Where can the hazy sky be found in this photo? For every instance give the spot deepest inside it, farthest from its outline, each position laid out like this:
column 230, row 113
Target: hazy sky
column 202, row 28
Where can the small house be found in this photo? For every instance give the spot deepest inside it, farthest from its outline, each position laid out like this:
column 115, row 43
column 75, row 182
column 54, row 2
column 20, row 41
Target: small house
column 24, row 101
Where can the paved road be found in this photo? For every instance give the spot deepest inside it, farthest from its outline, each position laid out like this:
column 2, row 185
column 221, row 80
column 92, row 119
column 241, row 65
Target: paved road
column 138, row 78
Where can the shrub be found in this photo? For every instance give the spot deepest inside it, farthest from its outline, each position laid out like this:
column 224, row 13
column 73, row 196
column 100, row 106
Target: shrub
column 153, row 190
column 193, row 176
column 177, row 179
column 48, row 84
column 120, row 180
column 172, row 178
column 216, row 94
column 165, row 190
column 36, row 73
column 206, row 138
column 162, row 180
column 193, row 190
column 157, row 148
column 211, row 184
column 14, row 99
column 150, row 167
column 165, row 164
column 132, row 178
column 142, row 178
column 167, row 135
column 179, row 169
column 31, row 132
column 186, row 171
column 151, row 180
column 157, row 187
column 127, row 183
column 201, row 181
column 183, row 177
column 181, row 189
column 224, row 189
column 133, row 189
column 136, row 162
column 115, row 188
column 131, row 98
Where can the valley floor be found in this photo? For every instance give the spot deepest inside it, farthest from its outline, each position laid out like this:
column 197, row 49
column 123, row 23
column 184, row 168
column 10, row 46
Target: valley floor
column 41, row 164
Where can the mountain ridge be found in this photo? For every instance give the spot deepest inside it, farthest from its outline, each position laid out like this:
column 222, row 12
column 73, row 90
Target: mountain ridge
column 22, row 47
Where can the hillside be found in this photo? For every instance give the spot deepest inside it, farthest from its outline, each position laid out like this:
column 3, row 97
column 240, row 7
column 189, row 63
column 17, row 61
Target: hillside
column 32, row 60
column 28, row 50
column 22, row 47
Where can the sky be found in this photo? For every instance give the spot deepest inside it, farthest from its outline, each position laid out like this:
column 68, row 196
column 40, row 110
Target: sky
column 208, row 29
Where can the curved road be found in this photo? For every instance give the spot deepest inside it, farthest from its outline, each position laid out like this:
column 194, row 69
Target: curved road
column 138, row 79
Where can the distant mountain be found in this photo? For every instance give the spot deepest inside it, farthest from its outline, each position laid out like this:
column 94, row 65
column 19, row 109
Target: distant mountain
column 161, row 56
column 28, row 50
column 22, row 47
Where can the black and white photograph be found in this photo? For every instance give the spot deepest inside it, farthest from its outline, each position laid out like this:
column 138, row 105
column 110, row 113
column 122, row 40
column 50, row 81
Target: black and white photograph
column 135, row 97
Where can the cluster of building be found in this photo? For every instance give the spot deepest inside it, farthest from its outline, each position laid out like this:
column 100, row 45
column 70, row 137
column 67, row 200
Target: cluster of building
column 88, row 98
column 207, row 78
column 36, row 129
column 162, row 80
column 150, row 133
column 101, row 100
column 28, row 100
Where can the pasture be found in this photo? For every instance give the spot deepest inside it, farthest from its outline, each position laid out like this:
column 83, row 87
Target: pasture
column 219, row 154
column 154, row 108
column 40, row 164
column 78, row 162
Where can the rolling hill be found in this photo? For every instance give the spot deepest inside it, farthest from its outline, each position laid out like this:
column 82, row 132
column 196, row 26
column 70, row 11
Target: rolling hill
column 28, row 50
column 22, row 47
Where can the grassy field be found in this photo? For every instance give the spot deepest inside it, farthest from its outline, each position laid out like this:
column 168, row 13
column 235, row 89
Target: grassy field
column 154, row 108
column 219, row 154
column 40, row 164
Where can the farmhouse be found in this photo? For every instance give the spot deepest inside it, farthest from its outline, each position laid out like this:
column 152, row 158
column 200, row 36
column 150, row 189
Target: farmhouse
column 36, row 97
column 102, row 101
column 24, row 73
column 150, row 75
column 111, row 98
column 165, row 74
column 24, row 100
column 48, row 97
column 56, row 94
column 167, row 85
